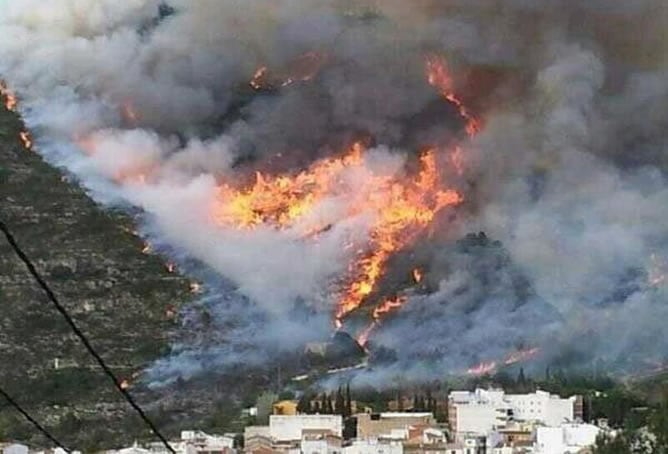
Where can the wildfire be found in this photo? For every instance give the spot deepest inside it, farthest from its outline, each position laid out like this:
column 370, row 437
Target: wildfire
column 125, row 384
column 279, row 201
column 26, row 140
column 439, row 78
column 171, row 268
column 520, row 356
column 302, row 69
column 403, row 211
column 364, row 336
column 483, row 368
column 400, row 209
column 515, row 357
column 11, row 102
column 417, row 275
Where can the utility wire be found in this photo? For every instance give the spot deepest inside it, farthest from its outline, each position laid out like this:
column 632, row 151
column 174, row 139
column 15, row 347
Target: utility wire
column 32, row 420
column 31, row 268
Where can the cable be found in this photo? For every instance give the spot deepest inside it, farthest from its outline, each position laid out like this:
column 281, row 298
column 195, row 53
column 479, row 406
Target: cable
column 31, row 268
column 32, row 420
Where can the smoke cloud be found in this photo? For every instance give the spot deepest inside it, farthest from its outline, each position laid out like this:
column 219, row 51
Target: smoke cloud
column 149, row 104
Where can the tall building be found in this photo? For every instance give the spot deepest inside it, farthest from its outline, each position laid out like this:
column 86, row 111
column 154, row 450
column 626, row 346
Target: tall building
column 482, row 411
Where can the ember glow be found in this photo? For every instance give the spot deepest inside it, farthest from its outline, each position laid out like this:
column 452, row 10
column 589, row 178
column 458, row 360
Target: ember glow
column 302, row 69
column 11, row 102
column 26, row 140
column 417, row 275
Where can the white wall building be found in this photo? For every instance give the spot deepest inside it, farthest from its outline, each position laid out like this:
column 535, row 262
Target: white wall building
column 283, row 428
column 542, row 406
column 374, row 446
column 482, row 411
column 567, row 438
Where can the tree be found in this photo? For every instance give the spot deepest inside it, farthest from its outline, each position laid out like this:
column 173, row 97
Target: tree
column 658, row 425
column 330, row 407
column 521, row 380
column 340, row 402
column 349, row 402
column 264, row 406
column 304, row 403
column 609, row 445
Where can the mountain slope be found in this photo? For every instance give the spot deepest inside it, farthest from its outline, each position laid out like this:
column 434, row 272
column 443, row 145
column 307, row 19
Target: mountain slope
column 122, row 299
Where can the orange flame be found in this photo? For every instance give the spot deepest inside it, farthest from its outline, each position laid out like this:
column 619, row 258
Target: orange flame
column 26, row 140
column 521, row 356
column 483, row 368
column 11, row 102
column 125, row 384
column 439, row 78
column 280, row 201
column 417, row 275
column 364, row 336
column 400, row 210
column 388, row 306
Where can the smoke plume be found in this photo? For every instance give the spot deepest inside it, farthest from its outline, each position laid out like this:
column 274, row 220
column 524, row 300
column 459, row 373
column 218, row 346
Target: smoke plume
column 174, row 107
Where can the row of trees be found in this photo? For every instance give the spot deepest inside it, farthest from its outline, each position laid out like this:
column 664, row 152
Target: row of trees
column 338, row 403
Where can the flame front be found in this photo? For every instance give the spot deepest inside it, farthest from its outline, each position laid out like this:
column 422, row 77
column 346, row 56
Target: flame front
column 439, row 78
column 400, row 209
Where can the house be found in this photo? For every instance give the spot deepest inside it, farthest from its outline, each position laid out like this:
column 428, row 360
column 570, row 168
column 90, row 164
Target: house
column 285, row 428
column 285, row 407
column 567, row 438
column 373, row 425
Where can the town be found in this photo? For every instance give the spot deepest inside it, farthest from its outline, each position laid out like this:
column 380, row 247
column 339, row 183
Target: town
column 478, row 422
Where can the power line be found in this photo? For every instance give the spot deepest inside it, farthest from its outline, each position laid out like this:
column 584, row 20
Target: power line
column 32, row 420
column 31, row 268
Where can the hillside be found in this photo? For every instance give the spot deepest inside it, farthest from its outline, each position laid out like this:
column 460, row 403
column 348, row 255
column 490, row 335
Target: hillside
column 119, row 296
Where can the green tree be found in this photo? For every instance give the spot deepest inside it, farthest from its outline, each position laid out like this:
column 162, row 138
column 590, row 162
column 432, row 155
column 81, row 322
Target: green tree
column 658, row 426
column 304, row 403
column 349, row 402
column 340, row 402
column 264, row 407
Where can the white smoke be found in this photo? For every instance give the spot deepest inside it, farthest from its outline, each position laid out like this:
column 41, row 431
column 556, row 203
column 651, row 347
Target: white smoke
column 568, row 173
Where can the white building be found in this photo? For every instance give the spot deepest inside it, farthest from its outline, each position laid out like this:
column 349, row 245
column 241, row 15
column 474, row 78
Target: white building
column 374, row 446
column 567, row 438
column 14, row 449
column 483, row 411
column 285, row 428
column 542, row 406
